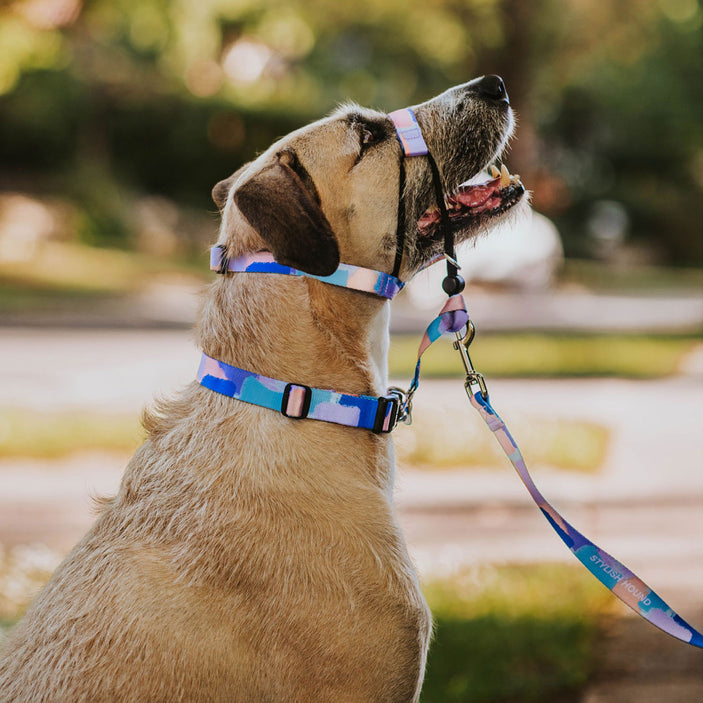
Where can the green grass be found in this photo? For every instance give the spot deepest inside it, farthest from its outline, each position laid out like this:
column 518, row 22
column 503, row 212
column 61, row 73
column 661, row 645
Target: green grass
column 517, row 634
column 433, row 442
column 430, row 443
column 27, row 433
column 16, row 297
column 547, row 355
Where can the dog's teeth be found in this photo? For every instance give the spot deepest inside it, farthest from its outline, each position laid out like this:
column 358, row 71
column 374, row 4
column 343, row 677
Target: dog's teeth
column 504, row 177
column 494, row 172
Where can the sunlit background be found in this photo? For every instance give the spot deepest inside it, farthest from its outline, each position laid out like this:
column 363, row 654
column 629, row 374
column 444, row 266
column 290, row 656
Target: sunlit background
column 113, row 110
column 118, row 116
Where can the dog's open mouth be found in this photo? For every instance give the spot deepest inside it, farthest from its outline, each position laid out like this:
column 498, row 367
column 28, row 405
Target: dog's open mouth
column 473, row 203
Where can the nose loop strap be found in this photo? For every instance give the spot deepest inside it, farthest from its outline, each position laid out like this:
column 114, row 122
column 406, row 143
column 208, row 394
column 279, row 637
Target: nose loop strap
column 400, row 227
column 408, row 131
column 413, row 144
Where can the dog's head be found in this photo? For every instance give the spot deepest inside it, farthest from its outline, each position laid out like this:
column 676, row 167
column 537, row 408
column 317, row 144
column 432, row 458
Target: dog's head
column 329, row 192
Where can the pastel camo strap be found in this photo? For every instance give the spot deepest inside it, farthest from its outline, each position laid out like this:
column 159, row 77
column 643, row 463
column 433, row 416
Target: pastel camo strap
column 452, row 318
column 299, row 401
column 608, row 570
column 346, row 276
column 408, row 131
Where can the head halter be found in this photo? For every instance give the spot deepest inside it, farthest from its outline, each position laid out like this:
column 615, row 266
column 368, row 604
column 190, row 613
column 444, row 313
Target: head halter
column 413, row 144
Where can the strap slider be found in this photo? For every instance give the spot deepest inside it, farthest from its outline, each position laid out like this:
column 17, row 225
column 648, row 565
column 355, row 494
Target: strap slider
column 219, row 261
column 296, row 401
column 386, row 414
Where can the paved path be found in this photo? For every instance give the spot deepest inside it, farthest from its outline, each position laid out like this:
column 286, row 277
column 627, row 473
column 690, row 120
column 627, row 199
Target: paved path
column 646, row 507
column 174, row 306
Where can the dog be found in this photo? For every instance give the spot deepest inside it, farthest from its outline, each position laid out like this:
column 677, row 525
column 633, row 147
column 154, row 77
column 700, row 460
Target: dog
column 249, row 556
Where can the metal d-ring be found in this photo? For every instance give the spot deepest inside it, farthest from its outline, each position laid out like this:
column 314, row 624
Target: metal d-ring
column 405, row 404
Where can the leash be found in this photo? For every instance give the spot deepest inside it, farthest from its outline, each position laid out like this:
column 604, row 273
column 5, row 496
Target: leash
column 614, row 575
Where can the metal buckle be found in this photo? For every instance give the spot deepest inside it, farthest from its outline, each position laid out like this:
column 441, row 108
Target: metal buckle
column 303, row 403
column 405, row 405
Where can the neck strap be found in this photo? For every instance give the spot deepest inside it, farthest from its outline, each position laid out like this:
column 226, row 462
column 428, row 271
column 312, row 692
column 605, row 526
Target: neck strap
column 378, row 283
column 297, row 401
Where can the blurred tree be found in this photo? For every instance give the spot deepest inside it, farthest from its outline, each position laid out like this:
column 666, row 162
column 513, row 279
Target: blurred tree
column 168, row 96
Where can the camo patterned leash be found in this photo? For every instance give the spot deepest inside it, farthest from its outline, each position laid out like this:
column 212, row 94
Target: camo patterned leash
column 630, row 589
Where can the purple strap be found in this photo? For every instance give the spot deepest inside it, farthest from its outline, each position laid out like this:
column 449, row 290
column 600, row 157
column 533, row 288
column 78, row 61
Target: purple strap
column 609, row 571
column 408, row 131
column 452, row 319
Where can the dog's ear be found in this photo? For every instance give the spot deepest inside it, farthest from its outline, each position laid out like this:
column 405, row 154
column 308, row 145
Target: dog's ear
column 221, row 189
column 288, row 217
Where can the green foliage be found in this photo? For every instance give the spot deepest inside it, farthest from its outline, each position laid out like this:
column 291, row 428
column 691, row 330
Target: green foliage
column 170, row 97
column 629, row 130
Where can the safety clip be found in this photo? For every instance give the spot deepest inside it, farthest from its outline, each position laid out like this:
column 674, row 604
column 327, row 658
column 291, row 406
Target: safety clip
column 473, row 377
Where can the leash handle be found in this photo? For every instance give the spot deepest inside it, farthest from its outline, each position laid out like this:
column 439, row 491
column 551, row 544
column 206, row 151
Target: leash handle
column 630, row 589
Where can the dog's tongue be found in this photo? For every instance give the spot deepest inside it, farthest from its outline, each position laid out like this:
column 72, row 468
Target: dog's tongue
column 475, row 195
column 474, row 198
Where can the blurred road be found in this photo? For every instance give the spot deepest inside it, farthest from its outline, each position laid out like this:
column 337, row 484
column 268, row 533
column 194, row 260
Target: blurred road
column 174, row 306
column 645, row 507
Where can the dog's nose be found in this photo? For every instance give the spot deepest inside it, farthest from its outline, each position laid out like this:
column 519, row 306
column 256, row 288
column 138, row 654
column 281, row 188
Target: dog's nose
column 494, row 88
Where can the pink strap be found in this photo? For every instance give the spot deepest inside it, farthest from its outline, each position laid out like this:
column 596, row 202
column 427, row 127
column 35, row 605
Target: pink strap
column 409, row 133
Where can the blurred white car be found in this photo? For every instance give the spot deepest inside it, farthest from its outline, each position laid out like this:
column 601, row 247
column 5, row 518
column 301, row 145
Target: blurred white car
column 525, row 255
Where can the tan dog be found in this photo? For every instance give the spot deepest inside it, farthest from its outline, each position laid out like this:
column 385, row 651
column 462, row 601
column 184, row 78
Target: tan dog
column 248, row 556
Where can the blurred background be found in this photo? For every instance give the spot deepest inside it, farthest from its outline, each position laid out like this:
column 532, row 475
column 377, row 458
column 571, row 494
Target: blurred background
column 116, row 119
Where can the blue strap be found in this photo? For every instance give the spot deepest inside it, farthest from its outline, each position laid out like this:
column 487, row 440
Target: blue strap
column 346, row 276
column 299, row 401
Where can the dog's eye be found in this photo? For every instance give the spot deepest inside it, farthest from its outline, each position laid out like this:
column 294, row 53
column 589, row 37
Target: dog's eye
column 367, row 137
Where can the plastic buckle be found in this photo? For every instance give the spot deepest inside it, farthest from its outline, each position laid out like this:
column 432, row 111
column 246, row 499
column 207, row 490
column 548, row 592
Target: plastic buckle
column 219, row 261
column 296, row 401
column 386, row 418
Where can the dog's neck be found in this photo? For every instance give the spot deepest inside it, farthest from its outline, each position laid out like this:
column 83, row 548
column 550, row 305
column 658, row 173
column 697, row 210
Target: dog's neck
column 298, row 330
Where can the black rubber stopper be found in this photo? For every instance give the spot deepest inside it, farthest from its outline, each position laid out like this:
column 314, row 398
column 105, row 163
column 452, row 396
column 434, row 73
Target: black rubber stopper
column 452, row 285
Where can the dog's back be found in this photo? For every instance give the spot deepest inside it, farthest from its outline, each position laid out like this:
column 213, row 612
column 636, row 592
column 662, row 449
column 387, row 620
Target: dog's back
column 221, row 585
